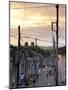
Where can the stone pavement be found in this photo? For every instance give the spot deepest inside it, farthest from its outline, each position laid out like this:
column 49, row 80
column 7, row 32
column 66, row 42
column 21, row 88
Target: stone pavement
column 43, row 80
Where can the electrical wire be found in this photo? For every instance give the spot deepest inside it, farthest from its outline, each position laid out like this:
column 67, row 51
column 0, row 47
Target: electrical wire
column 40, row 39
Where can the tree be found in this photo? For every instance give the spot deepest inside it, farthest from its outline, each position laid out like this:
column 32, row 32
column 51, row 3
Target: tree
column 26, row 44
column 32, row 44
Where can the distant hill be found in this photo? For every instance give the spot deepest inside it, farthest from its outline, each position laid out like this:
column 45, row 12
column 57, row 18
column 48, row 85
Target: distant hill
column 46, row 48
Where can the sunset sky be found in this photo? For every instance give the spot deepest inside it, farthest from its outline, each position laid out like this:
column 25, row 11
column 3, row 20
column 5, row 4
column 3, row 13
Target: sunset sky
column 35, row 22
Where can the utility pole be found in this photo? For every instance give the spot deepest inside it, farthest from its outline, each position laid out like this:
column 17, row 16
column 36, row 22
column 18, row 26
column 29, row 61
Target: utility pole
column 53, row 42
column 18, row 57
column 36, row 41
column 53, row 51
column 57, row 15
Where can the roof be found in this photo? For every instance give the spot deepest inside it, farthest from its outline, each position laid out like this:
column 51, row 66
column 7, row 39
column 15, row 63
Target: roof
column 62, row 50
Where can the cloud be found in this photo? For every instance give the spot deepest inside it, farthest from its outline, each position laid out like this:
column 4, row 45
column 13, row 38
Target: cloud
column 35, row 21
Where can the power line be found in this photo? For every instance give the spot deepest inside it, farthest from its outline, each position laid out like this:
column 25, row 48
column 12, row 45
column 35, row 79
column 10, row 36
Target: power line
column 36, row 32
column 13, row 36
column 40, row 40
column 38, row 6
column 34, row 7
column 61, row 35
column 25, row 36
